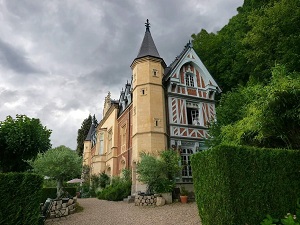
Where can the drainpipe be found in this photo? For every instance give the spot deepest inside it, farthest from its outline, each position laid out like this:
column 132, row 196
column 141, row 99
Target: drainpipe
column 129, row 125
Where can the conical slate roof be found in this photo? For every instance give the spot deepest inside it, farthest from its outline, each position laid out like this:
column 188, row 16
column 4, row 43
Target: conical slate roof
column 148, row 47
column 91, row 131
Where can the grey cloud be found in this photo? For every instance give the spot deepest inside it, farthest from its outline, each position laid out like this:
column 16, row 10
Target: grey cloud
column 87, row 47
column 109, row 76
column 7, row 95
column 14, row 59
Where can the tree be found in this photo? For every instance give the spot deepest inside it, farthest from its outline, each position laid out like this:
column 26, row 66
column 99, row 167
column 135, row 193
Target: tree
column 83, row 132
column 265, row 116
column 159, row 173
column 21, row 139
column 253, row 41
column 223, row 53
column 60, row 163
column 274, row 37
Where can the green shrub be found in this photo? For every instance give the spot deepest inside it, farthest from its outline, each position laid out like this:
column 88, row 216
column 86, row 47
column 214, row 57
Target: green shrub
column 49, row 183
column 86, row 190
column 241, row 185
column 117, row 191
column 71, row 191
column 20, row 198
column 49, row 192
column 159, row 173
column 103, row 180
column 289, row 219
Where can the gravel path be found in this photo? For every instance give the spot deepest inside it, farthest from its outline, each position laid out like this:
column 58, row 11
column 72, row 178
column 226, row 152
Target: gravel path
column 97, row 212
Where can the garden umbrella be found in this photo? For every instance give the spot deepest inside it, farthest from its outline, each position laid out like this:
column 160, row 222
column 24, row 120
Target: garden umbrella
column 76, row 180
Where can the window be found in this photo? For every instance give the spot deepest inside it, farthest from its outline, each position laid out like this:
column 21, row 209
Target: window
column 101, row 144
column 186, row 162
column 189, row 79
column 156, row 122
column 155, row 73
column 193, row 116
column 123, row 138
column 94, row 138
column 143, row 91
column 192, row 112
column 109, row 140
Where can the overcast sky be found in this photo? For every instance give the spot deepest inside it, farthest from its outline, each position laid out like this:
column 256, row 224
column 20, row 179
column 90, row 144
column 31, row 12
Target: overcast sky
column 59, row 58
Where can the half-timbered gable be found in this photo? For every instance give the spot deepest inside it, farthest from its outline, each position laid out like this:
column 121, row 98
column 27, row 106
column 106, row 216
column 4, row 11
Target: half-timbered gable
column 191, row 106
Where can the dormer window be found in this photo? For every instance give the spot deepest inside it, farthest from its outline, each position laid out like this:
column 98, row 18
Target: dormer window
column 189, row 79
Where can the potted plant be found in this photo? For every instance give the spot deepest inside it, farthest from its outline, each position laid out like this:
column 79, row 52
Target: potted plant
column 183, row 195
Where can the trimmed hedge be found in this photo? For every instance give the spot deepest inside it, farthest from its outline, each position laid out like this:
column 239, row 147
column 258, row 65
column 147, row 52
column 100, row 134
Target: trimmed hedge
column 240, row 185
column 50, row 192
column 20, row 198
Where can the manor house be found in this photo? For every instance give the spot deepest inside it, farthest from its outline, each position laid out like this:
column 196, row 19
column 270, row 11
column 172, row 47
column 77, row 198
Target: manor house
column 163, row 107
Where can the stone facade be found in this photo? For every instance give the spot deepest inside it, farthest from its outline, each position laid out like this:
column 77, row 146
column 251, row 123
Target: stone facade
column 162, row 107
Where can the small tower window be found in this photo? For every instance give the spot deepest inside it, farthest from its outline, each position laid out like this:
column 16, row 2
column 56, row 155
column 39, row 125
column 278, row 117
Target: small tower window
column 143, row 91
column 156, row 122
column 155, row 73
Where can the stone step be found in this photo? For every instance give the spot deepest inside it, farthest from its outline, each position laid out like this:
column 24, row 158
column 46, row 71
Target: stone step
column 129, row 199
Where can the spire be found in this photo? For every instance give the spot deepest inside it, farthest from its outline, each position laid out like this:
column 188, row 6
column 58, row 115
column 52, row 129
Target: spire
column 147, row 24
column 148, row 47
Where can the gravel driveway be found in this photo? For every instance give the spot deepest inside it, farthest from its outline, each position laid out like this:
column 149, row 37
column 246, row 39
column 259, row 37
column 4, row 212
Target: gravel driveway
column 97, row 212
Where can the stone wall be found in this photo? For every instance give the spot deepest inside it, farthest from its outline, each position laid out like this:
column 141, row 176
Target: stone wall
column 149, row 200
column 145, row 200
column 62, row 207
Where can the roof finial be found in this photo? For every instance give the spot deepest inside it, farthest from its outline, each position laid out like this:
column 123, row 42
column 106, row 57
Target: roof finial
column 147, row 24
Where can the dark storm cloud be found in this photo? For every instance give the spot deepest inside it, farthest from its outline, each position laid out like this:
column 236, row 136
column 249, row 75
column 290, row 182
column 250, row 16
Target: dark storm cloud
column 14, row 59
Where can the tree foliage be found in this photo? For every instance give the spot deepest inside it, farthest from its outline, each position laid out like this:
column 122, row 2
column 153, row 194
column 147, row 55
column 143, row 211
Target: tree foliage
column 261, row 34
column 159, row 173
column 60, row 163
column 264, row 116
column 21, row 139
column 260, row 105
column 274, row 37
column 83, row 132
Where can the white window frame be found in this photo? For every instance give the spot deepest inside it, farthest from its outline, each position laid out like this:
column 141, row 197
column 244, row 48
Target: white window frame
column 189, row 79
column 101, row 144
